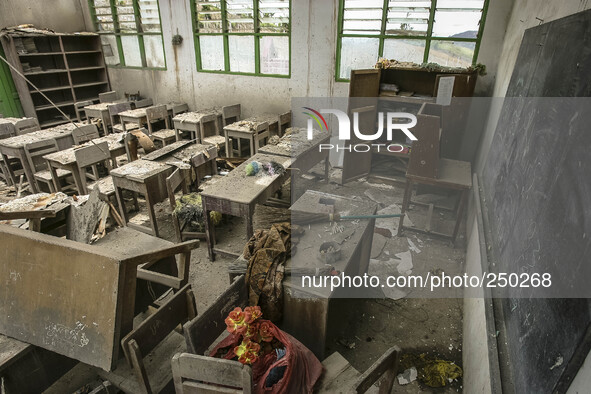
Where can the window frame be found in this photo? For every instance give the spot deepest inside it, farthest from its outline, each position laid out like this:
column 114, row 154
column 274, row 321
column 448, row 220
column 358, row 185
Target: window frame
column 225, row 38
column 383, row 36
column 139, row 34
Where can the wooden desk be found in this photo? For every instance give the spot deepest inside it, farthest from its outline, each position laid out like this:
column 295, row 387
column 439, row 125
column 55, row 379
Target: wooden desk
column 138, row 115
column 144, row 177
column 306, row 311
column 253, row 129
column 99, row 111
column 66, row 159
column 15, row 147
column 87, row 306
column 306, row 153
column 195, row 123
column 451, row 174
column 237, row 194
column 185, row 152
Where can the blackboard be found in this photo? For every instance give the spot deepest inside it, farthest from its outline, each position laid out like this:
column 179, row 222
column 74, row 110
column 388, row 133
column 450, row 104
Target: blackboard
column 537, row 189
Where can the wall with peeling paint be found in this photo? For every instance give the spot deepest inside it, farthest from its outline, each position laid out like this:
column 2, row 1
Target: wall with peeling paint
column 313, row 51
column 60, row 15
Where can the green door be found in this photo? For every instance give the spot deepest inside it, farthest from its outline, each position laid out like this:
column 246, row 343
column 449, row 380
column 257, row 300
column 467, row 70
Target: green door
column 10, row 105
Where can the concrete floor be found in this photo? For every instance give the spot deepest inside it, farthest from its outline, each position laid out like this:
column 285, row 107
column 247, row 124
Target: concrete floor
column 417, row 322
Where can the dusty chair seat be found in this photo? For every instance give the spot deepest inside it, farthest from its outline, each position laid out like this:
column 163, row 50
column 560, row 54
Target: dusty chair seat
column 217, row 140
column 45, row 176
column 165, row 136
column 125, row 378
column 106, row 188
column 150, row 346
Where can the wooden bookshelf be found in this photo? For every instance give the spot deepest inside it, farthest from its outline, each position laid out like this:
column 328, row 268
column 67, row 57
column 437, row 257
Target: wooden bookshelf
column 67, row 68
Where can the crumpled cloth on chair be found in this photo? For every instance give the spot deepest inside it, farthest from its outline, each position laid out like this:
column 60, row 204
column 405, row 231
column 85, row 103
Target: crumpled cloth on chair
column 266, row 252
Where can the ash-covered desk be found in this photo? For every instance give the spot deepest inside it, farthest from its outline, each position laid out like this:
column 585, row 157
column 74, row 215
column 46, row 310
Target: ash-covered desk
column 15, row 147
column 237, row 194
column 306, row 153
column 74, row 299
column 311, row 313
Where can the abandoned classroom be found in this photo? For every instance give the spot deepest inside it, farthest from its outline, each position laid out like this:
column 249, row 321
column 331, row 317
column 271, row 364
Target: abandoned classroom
column 295, row 196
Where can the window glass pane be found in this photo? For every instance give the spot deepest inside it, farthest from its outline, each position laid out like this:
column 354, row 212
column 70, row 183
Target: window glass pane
column 240, row 16
column 363, row 17
column 212, row 52
column 241, row 53
column 452, row 53
column 154, row 51
column 104, row 17
column 131, row 51
column 110, row 51
column 274, row 55
column 274, row 16
column 149, row 15
column 357, row 53
column 404, row 50
column 408, row 18
column 126, row 16
column 457, row 18
column 209, row 16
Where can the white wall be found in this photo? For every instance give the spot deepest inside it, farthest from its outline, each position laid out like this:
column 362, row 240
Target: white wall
column 60, row 15
column 313, row 59
column 313, row 49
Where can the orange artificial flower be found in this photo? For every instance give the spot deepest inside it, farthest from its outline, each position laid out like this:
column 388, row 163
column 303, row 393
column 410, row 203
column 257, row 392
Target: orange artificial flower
column 254, row 311
column 247, row 352
column 236, row 321
column 265, row 332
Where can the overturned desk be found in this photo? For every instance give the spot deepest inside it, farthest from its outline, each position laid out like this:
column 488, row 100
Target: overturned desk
column 451, row 174
column 237, row 194
column 88, row 306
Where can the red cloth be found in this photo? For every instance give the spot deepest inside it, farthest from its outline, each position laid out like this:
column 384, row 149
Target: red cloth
column 302, row 367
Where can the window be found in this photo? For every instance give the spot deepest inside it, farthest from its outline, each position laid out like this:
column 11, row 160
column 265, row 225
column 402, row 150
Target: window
column 446, row 32
column 130, row 31
column 249, row 37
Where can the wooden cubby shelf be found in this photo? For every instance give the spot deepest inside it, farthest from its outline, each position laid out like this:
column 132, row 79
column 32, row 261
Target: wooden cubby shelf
column 68, row 68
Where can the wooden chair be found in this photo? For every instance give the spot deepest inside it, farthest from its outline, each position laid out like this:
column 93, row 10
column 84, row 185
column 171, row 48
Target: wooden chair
column 90, row 157
column 35, row 152
column 179, row 109
column 108, row 97
column 27, row 125
column 143, row 374
column 341, row 376
column 114, row 111
column 199, row 374
column 230, row 114
column 85, row 133
column 79, row 107
column 284, row 122
column 201, row 332
column 155, row 114
column 34, row 217
column 8, row 130
column 143, row 103
column 173, row 182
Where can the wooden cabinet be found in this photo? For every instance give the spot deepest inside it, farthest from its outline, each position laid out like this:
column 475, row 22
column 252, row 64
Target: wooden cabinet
column 67, row 68
column 441, row 128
